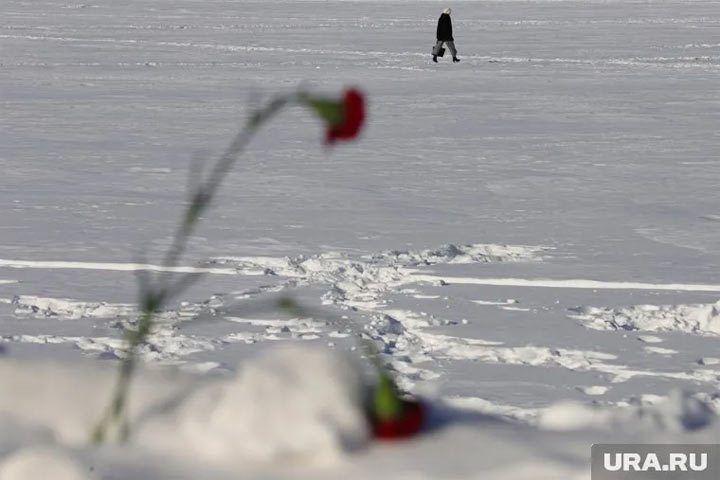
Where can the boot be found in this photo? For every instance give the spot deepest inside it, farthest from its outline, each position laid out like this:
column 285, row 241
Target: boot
column 455, row 59
column 435, row 58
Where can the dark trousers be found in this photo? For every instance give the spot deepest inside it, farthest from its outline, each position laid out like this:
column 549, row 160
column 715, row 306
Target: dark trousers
column 450, row 44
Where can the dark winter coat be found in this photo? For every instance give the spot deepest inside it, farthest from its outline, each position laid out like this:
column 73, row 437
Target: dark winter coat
column 444, row 29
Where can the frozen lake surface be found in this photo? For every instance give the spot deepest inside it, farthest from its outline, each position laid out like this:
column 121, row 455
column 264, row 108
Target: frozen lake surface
column 538, row 223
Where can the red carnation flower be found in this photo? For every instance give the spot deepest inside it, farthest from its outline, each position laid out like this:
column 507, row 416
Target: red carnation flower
column 409, row 423
column 351, row 119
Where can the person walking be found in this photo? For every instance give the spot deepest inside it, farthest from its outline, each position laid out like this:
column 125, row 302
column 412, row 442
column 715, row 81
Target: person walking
column 445, row 36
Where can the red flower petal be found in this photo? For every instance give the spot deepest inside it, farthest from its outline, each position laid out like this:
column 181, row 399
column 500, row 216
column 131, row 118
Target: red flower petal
column 408, row 424
column 353, row 118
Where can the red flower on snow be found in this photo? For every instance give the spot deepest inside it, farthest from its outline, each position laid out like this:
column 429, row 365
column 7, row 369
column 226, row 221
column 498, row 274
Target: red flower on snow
column 408, row 423
column 391, row 416
column 352, row 118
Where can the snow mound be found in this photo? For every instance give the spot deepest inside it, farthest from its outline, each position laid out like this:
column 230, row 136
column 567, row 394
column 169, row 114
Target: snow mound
column 360, row 282
column 291, row 402
column 294, row 409
column 678, row 412
column 71, row 309
column 302, row 265
column 700, row 319
column 331, row 267
column 473, row 253
column 41, row 463
column 163, row 346
column 63, row 401
column 68, row 309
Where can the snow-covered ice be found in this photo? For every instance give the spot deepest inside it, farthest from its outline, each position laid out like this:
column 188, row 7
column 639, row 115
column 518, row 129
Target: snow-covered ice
column 531, row 236
column 697, row 319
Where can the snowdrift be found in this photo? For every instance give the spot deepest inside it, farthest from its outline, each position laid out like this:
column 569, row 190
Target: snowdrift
column 296, row 412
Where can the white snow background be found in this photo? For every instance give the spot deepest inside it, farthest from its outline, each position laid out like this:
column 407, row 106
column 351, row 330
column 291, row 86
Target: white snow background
column 532, row 235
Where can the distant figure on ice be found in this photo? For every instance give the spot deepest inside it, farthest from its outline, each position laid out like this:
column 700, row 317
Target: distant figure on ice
column 445, row 36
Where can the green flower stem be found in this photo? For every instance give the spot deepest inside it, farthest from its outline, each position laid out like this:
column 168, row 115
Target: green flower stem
column 155, row 293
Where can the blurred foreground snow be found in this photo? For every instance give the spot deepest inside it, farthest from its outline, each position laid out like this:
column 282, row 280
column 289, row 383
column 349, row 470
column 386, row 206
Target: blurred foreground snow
column 296, row 412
